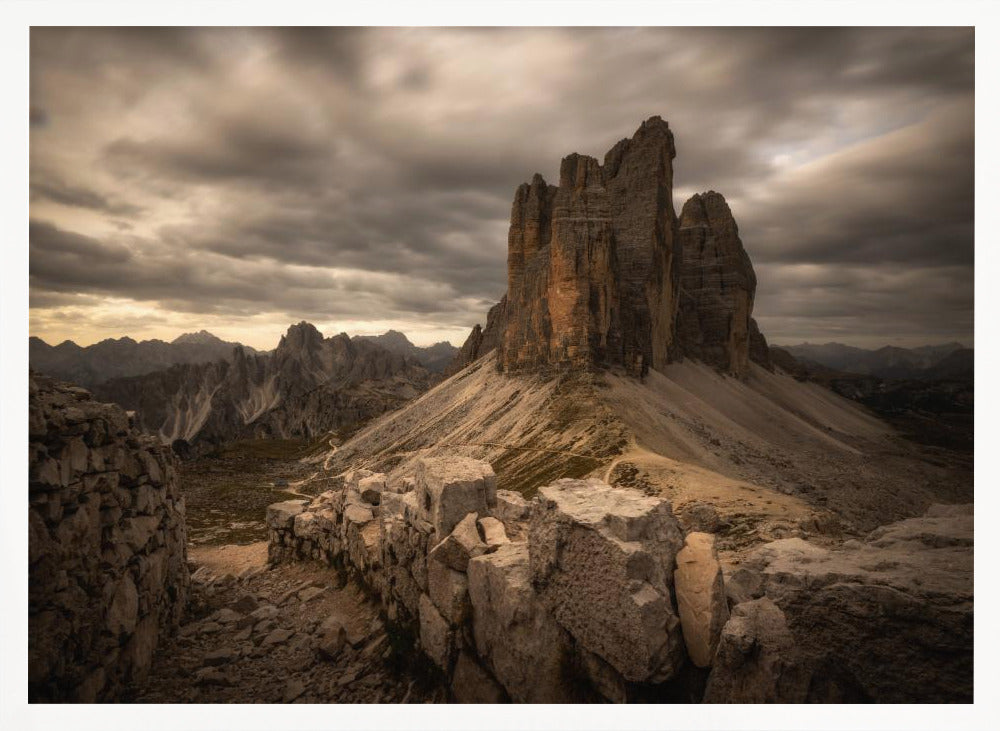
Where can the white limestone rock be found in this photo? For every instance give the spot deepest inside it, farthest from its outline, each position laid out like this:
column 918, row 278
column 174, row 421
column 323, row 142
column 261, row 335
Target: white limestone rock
column 492, row 532
column 511, row 507
column 436, row 636
column 462, row 544
column 372, row 487
column 449, row 590
column 281, row 516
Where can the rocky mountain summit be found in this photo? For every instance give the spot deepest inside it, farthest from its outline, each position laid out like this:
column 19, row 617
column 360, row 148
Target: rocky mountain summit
column 308, row 386
column 434, row 358
column 602, row 273
column 124, row 357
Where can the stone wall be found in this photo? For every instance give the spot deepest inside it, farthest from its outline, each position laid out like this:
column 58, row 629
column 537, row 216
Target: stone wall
column 567, row 598
column 107, row 546
column 593, row 593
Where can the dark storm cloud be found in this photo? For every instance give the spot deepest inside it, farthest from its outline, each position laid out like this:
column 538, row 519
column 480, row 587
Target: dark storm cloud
column 352, row 173
column 66, row 263
column 59, row 191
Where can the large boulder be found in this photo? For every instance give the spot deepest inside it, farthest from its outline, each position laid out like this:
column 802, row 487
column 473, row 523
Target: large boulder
column 437, row 638
column 449, row 488
column 756, row 661
column 602, row 561
column 281, row 516
column 888, row 619
column 701, row 597
column 449, row 591
column 516, row 637
column 462, row 544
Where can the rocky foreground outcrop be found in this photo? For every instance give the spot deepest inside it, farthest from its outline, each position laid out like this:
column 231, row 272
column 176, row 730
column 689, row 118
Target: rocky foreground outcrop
column 602, row 273
column 106, row 546
column 308, row 386
column 568, row 598
column 888, row 619
column 589, row 592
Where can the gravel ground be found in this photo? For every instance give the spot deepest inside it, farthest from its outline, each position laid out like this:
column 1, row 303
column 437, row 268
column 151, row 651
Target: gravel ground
column 259, row 635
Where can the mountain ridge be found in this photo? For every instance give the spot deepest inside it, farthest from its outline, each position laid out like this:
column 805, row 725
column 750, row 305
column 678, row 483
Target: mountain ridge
column 309, row 385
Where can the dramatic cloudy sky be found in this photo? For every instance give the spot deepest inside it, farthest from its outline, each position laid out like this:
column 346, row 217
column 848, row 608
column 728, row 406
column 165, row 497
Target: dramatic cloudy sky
column 241, row 179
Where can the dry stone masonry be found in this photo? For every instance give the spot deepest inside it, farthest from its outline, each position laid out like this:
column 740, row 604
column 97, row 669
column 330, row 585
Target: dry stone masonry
column 589, row 592
column 565, row 598
column 106, row 546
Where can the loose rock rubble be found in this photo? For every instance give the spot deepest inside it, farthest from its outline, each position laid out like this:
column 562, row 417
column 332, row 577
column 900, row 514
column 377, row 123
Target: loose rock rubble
column 106, row 546
column 267, row 638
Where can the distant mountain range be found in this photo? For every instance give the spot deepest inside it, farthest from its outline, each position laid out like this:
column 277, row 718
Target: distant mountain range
column 434, row 358
column 125, row 357
column 927, row 393
column 308, row 386
column 949, row 360
column 88, row 366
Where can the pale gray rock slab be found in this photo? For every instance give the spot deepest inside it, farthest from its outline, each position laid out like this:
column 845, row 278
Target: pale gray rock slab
column 449, row 488
column 281, row 516
column 602, row 561
column 461, row 545
column 436, row 636
column 516, row 637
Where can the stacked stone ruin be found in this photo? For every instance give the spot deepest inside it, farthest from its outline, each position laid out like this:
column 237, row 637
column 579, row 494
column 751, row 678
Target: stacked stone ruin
column 569, row 597
column 591, row 592
column 107, row 547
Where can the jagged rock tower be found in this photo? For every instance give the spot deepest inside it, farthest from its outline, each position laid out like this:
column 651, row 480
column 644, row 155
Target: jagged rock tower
column 717, row 285
column 601, row 273
column 590, row 265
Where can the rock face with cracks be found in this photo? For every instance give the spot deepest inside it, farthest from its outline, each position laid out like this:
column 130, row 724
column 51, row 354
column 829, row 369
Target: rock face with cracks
column 516, row 637
column 602, row 562
column 449, row 489
column 591, row 271
column 602, row 273
column 888, row 619
column 717, row 287
column 756, row 661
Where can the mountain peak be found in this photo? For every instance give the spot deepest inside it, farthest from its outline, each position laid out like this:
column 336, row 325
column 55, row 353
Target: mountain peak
column 202, row 337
